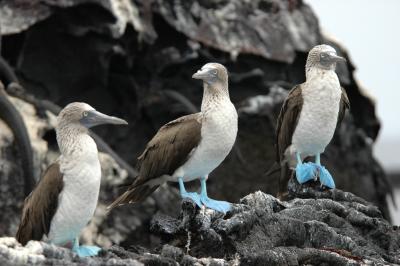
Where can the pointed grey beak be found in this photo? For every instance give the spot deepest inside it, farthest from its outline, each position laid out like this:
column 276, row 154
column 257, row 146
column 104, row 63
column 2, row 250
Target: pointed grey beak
column 200, row 74
column 95, row 118
column 337, row 58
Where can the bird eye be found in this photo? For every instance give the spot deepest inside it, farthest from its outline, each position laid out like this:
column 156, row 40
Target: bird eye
column 214, row 72
column 85, row 113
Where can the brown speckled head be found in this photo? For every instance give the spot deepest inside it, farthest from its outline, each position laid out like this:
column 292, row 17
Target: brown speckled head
column 212, row 73
column 75, row 119
column 324, row 57
column 73, row 113
column 82, row 114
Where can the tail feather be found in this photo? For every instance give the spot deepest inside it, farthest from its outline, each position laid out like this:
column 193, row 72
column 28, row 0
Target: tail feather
column 23, row 236
column 286, row 174
column 273, row 169
column 133, row 195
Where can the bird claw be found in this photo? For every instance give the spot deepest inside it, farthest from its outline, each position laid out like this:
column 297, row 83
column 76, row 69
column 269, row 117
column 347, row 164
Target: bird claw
column 193, row 196
column 220, row 206
column 306, row 172
column 87, row 251
column 326, row 178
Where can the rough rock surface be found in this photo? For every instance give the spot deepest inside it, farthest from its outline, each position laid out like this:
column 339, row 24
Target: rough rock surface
column 17, row 16
column 11, row 187
column 230, row 26
column 332, row 227
column 131, row 58
column 323, row 228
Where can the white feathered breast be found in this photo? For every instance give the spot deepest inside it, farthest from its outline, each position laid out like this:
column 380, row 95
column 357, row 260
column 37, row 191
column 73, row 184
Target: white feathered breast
column 318, row 118
column 78, row 199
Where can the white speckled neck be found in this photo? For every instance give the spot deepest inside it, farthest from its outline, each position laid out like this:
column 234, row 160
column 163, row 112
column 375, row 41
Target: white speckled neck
column 213, row 94
column 319, row 73
column 68, row 136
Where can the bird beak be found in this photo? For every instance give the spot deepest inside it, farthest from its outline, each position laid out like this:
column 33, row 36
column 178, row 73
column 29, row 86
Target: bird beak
column 200, row 74
column 337, row 58
column 95, row 118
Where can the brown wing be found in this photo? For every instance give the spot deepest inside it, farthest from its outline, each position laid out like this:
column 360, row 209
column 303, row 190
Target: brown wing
column 167, row 151
column 287, row 121
column 40, row 206
column 344, row 104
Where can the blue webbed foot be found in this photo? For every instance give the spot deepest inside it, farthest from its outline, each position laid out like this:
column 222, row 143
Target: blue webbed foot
column 306, row 172
column 221, row 206
column 326, row 178
column 87, row 251
column 193, row 196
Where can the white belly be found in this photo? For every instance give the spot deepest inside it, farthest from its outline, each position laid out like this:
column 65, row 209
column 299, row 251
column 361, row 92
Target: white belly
column 77, row 202
column 319, row 114
column 219, row 130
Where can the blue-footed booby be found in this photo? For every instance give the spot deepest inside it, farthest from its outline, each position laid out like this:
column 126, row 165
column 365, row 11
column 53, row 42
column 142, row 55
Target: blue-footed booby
column 190, row 147
column 309, row 117
column 65, row 198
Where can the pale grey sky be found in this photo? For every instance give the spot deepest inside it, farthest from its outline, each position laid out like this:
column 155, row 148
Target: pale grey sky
column 370, row 31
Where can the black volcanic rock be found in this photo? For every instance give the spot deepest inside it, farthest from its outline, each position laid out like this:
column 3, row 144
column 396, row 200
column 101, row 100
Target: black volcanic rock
column 239, row 27
column 331, row 227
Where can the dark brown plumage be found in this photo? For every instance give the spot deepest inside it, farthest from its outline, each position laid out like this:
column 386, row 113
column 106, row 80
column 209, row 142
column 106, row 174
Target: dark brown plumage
column 344, row 104
column 167, row 151
column 286, row 125
column 40, row 206
column 287, row 121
